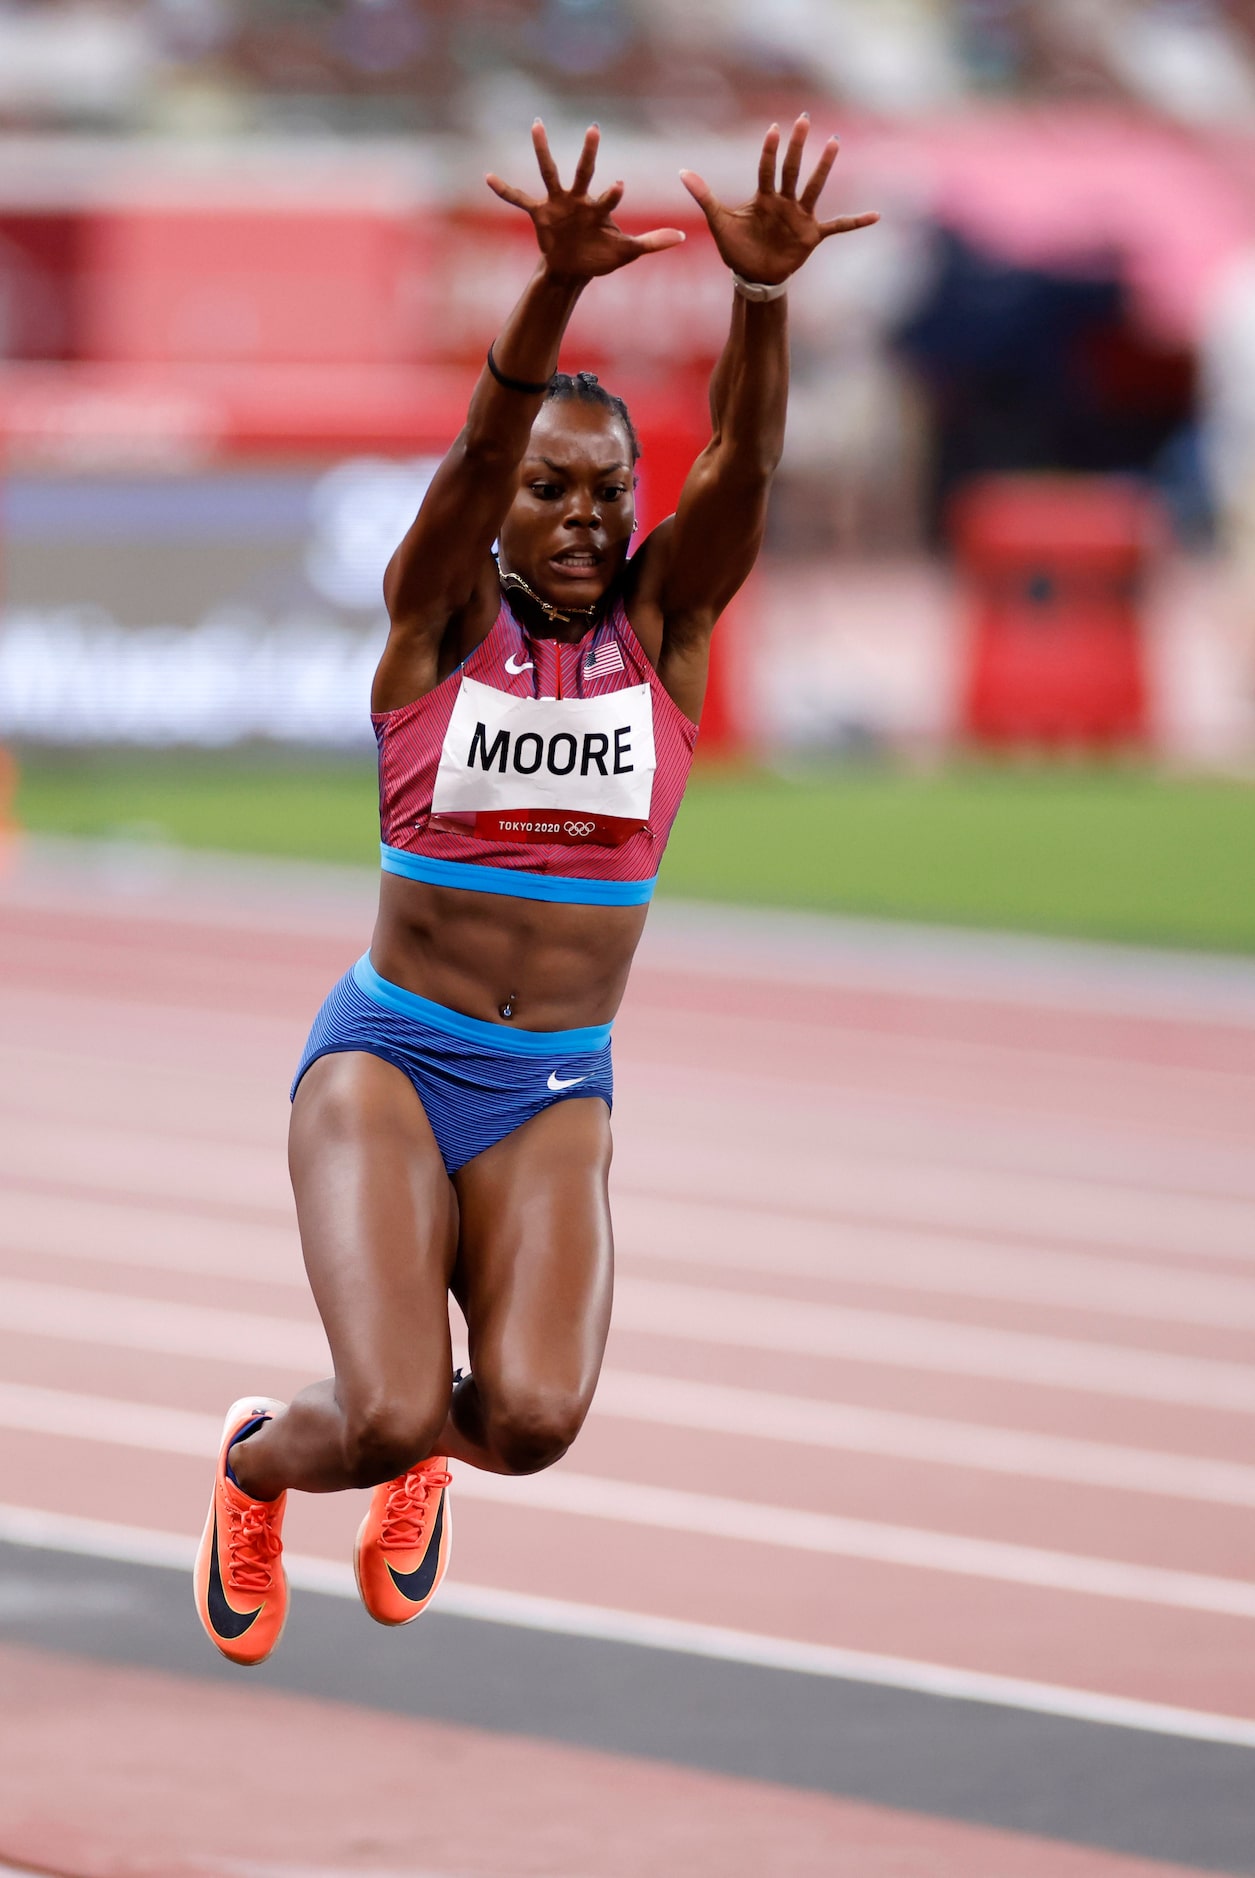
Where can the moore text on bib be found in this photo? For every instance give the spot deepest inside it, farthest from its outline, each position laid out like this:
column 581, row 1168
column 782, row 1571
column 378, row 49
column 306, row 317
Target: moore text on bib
column 547, row 769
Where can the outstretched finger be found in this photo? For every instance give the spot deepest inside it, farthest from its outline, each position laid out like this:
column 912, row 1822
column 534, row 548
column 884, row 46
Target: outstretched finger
column 793, row 156
column 544, row 157
column 823, row 169
column 700, row 190
column 656, row 240
column 610, row 199
column 844, row 223
column 509, row 193
column 588, row 159
column 767, row 162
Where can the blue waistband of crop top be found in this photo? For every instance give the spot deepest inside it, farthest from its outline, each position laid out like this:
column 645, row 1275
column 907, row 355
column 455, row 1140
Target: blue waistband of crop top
column 473, row 1029
column 514, row 882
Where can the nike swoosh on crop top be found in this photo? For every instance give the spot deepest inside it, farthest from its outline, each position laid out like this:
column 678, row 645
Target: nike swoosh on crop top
column 537, row 769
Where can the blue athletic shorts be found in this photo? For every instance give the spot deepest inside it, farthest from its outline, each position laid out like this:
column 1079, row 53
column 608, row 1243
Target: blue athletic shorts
column 476, row 1081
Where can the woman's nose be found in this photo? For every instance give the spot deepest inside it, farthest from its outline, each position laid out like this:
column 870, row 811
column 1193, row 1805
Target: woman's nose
column 582, row 511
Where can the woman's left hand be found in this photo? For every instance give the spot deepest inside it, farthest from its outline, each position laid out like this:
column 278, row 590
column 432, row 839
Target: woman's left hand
column 769, row 237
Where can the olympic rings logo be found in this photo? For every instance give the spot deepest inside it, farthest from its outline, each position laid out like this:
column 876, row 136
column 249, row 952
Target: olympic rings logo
column 578, row 828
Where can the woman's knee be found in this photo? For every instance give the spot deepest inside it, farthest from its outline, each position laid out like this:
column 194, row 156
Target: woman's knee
column 384, row 1438
column 530, row 1427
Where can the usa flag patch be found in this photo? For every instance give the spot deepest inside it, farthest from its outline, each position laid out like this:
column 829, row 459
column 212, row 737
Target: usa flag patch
column 604, row 660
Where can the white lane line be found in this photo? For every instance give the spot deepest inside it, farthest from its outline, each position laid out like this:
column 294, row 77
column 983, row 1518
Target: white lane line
column 722, row 1239
column 227, row 1103
column 807, row 1421
column 714, row 1516
column 690, row 1313
column 704, row 1314
column 62, row 1532
column 989, row 970
column 171, row 1168
column 902, row 1191
column 170, row 1098
column 159, row 1429
column 894, row 1189
column 311, row 901
column 158, row 1238
column 127, row 1322
column 56, row 1088
column 714, row 1408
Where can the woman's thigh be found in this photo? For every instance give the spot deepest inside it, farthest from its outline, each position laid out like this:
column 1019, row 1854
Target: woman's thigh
column 378, row 1221
column 535, row 1278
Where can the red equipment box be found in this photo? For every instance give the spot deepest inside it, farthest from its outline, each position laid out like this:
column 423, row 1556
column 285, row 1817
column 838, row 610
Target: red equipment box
column 1053, row 570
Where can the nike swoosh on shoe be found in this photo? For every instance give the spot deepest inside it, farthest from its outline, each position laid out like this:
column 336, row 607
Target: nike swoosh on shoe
column 227, row 1622
column 416, row 1585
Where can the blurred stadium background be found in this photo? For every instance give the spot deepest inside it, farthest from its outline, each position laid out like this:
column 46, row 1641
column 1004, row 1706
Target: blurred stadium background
column 996, row 670
column 248, row 268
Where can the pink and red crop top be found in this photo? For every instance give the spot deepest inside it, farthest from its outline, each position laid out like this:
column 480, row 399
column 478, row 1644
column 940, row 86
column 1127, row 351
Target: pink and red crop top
column 537, row 769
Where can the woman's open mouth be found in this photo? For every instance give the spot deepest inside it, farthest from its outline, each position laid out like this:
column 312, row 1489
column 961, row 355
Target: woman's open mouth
column 576, row 562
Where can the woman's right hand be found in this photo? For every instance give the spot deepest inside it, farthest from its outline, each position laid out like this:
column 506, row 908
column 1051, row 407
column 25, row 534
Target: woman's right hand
column 576, row 232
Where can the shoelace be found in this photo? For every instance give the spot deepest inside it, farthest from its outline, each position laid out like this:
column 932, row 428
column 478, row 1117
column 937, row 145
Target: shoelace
column 252, row 1545
column 407, row 1506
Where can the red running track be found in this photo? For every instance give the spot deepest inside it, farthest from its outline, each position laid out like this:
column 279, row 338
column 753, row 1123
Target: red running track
column 936, row 1306
column 424, row 1801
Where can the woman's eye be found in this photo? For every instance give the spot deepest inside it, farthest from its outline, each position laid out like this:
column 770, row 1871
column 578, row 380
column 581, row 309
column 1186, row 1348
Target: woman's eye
column 546, row 492
column 613, row 491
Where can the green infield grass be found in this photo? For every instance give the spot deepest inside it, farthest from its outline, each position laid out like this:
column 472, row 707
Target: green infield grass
column 1106, row 853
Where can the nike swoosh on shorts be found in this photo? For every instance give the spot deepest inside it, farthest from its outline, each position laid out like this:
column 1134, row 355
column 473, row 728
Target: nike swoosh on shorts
column 557, row 1083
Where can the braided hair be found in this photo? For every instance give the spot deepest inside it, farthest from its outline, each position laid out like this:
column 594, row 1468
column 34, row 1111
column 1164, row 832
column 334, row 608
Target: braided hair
column 586, row 388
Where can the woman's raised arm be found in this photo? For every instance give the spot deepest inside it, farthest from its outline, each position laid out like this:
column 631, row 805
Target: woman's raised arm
column 440, row 578
column 695, row 561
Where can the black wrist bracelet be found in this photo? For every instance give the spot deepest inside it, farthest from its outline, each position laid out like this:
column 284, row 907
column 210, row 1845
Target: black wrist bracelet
column 515, row 384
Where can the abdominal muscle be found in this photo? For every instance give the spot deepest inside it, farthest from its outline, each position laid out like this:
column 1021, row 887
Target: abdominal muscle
column 553, row 966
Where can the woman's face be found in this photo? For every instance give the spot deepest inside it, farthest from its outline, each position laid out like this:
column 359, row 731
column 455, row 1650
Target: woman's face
column 568, row 528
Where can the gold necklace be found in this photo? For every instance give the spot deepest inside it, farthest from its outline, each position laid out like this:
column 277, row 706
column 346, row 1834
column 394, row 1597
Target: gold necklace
column 566, row 614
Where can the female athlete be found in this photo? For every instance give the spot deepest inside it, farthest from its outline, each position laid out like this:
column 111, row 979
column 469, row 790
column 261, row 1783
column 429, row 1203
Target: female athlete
column 536, row 714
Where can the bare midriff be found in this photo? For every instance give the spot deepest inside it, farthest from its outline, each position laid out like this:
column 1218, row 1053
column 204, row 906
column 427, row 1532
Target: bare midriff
column 528, row 964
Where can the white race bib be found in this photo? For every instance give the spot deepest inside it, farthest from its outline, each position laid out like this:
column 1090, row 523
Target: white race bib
column 593, row 756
